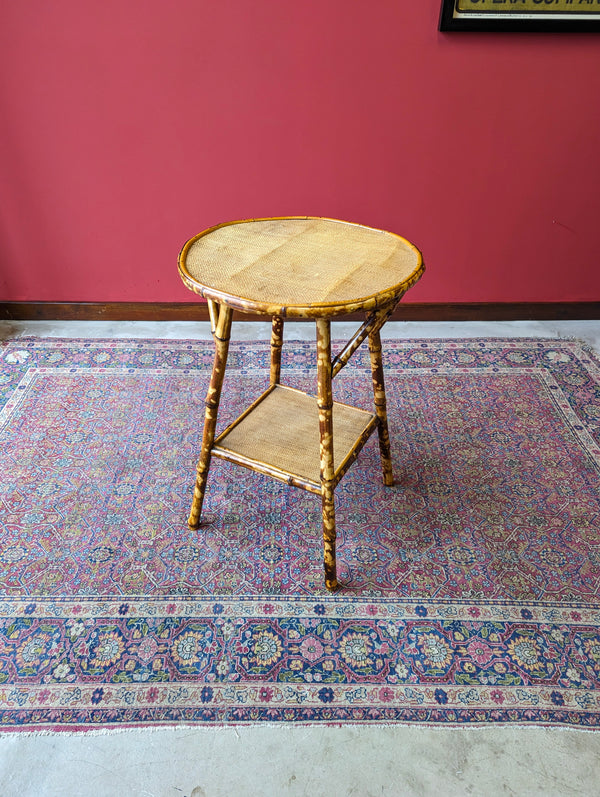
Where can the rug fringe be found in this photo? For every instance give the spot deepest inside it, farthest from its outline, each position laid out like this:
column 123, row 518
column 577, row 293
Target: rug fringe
column 296, row 726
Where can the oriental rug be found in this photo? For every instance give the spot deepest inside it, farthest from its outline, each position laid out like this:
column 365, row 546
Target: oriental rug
column 470, row 590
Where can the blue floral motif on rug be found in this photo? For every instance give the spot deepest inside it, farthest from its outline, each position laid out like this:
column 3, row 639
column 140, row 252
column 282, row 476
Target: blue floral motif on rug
column 470, row 590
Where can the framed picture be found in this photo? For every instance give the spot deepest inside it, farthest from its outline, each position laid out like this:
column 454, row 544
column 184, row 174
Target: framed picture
column 521, row 15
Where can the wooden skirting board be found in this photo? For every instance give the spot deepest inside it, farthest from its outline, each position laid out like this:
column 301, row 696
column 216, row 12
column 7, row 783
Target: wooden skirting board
column 198, row 311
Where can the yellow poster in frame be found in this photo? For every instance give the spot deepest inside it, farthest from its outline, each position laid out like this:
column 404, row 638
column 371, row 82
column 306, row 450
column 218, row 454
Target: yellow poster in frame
column 514, row 7
column 532, row 15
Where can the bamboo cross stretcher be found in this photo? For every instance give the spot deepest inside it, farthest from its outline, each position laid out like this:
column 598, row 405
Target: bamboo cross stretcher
column 298, row 267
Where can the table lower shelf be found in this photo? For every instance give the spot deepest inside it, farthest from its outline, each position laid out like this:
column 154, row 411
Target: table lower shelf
column 279, row 436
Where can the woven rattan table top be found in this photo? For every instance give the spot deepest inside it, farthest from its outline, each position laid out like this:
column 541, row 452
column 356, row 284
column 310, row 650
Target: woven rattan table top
column 299, row 266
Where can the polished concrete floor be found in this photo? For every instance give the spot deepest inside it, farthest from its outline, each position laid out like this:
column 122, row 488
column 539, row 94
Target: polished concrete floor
column 360, row 761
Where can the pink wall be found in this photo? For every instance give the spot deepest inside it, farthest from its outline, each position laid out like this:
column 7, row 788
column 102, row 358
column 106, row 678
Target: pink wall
column 127, row 127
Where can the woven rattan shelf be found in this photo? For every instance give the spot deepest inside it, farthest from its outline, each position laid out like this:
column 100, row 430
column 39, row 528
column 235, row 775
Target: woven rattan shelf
column 298, row 267
column 279, row 436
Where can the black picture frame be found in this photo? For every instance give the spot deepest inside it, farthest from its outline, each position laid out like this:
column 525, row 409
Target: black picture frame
column 495, row 20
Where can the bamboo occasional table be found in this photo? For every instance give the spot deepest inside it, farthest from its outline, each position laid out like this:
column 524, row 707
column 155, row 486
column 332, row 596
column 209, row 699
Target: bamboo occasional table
column 298, row 267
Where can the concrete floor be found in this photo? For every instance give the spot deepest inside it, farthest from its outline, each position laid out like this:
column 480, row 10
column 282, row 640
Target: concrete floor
column 350, row 760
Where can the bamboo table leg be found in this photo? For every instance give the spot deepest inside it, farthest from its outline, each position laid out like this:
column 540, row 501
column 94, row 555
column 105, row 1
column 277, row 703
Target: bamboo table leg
column 380, row 407
column 276, row 344
column 221, row 317
column 325, row 405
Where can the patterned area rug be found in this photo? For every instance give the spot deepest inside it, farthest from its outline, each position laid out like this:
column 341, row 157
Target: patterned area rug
column 470, row 590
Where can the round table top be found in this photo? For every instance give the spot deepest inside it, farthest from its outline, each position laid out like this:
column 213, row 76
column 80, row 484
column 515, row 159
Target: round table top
column 299, row 266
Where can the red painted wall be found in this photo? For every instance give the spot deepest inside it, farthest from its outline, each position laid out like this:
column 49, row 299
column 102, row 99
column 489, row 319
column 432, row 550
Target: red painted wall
column 127, row 127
